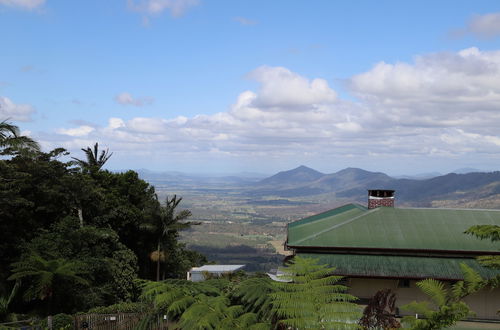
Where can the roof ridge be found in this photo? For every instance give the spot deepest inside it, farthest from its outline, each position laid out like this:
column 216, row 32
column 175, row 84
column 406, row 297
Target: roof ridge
column 351, row 205
column 337, row 225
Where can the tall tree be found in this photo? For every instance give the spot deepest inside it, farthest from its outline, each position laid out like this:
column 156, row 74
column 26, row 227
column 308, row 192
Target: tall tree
column 11, row 139
column 165, row 223
column 313, row 299
column 33, row 195
column 94, row 161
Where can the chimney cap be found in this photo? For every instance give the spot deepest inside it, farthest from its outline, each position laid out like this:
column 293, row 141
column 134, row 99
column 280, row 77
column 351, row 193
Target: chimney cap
column 381, row 192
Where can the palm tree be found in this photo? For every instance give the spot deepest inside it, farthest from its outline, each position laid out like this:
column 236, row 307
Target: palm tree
column 166, row 223
column 94, row 160
column 11, row 138
column 43, row 276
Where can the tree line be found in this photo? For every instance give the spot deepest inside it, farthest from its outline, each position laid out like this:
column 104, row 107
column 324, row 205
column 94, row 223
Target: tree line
column 75, row 236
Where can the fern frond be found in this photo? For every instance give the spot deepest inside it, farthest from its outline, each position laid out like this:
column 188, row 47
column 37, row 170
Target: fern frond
column 491, row 232
column 434, row 289
column 421, row 308
column 472, row 279
column 490, row 261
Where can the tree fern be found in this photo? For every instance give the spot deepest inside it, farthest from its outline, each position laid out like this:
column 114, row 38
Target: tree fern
column 217, row 313
column 313, row 299
column 253, row 293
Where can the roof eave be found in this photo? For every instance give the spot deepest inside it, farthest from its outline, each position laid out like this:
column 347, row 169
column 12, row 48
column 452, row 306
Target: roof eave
column 390, row 251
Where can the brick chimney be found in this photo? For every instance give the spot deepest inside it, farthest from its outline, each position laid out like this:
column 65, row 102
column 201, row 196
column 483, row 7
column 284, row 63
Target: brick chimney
column 379, row 197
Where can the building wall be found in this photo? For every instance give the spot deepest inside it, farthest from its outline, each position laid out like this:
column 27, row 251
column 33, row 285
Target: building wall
column 485, row 303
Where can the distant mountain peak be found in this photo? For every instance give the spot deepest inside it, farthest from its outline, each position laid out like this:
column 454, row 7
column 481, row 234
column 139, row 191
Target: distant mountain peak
column 301, row 174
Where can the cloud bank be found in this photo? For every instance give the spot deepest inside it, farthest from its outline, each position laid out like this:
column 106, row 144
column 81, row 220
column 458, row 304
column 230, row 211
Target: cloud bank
column 441, row 105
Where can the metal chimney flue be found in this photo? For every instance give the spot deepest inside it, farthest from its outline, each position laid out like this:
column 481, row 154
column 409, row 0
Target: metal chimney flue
column 380, row 197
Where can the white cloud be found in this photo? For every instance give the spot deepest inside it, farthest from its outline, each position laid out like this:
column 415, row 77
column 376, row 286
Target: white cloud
column 127, row 99
column 12, row 111
column 78, row 131
column 23, row 4
column 441, row 90
column 155, row 7
column 281, row 87
column 439, row 107
column 115, row 123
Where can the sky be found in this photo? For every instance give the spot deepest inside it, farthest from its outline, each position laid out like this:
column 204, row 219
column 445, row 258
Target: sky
column 225, row 86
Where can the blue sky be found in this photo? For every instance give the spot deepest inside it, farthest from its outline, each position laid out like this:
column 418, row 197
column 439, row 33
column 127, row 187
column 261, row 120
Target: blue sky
column 229, row 86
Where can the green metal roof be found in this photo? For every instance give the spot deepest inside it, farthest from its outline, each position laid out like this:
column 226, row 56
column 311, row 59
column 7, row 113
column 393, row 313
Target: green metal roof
column 399, row 266
column 353, row 226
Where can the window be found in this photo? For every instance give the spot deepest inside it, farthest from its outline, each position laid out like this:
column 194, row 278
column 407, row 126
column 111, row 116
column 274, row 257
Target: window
column 404, row 283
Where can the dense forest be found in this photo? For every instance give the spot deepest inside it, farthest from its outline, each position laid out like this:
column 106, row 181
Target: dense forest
column 75, row 236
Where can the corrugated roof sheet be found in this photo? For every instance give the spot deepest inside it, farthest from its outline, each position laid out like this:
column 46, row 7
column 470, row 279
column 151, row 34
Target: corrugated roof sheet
column 399, row 266
column 393, row 228
column 217, row 268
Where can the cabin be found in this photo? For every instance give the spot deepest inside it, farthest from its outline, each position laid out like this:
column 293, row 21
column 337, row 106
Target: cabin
column 382, row 246
column 198, row 274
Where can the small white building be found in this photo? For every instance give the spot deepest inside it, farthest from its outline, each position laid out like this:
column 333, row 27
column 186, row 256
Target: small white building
column 197, row 274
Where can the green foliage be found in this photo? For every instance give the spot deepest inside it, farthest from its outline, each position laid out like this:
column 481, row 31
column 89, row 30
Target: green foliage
column 123, row 307
column 447, row 306
column 173, row 297
column 254, row 294
column 47, row 278
column 11, row 140
column 165, row 224
column 216, row 313
column 60, row 321
column 492, row 261
column 197, row 305
column 5, row 301
column 59, row 221
column 111, row 267
column 94, row 161
column 313, row 299
column 491, row 232
column 33, row 195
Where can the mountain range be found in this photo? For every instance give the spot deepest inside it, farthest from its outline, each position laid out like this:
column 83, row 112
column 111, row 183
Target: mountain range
column 353, row 183
column 468, row 189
